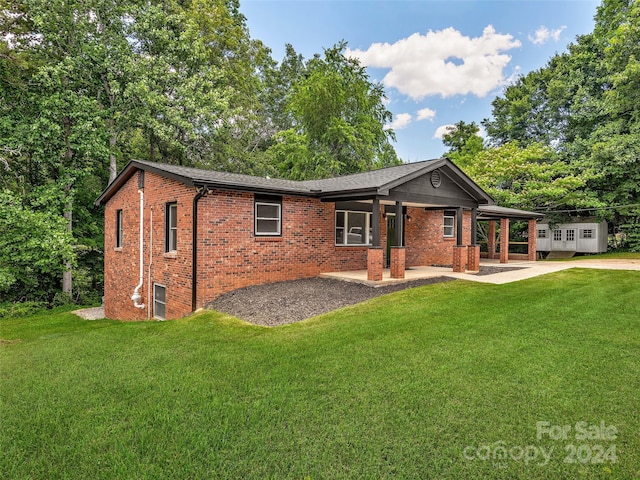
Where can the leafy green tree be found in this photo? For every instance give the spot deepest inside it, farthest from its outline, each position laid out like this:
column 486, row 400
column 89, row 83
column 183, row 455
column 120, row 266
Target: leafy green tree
column 339, row 116
column 35, row 246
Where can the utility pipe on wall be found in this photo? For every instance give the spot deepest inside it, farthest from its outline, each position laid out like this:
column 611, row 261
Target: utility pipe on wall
column 136, row 297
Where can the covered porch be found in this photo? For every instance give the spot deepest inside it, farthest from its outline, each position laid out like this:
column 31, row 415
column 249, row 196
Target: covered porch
column 498, row 245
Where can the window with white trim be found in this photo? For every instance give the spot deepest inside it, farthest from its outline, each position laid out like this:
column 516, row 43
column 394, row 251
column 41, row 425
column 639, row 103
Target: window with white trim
column 159, row 301
column 586, row 233
column 557, row 235
column 353, row 228
column 542, row 233
column 268, row 216
column 171, row 227
column 571, row 235
column 449, row 223
column 118, row 228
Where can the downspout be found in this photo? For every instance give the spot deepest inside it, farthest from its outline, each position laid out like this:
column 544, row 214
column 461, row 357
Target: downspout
column 136, row 297
column 201, row 192
column 150, row 261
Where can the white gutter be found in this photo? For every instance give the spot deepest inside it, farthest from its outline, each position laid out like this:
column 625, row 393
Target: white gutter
column 136, row 297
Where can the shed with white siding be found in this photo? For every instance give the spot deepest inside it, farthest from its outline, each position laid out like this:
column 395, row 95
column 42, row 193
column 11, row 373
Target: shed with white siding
column 581, row 235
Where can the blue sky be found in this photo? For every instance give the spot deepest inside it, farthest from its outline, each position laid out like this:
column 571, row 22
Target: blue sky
column 440, row 61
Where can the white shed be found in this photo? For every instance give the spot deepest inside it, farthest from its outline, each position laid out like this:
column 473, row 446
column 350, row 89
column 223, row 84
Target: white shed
column 581, row 235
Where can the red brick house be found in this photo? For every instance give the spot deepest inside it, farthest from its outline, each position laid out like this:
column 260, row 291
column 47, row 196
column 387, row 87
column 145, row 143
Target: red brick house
column 177, row 237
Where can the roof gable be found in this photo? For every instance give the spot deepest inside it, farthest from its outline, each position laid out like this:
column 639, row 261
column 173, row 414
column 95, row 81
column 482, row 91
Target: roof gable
column 372, row 183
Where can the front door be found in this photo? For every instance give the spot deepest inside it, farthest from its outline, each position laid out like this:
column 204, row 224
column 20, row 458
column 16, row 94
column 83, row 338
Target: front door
column 391, row 237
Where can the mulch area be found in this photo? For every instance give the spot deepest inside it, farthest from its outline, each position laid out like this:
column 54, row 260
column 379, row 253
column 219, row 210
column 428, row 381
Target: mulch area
column 292, row 301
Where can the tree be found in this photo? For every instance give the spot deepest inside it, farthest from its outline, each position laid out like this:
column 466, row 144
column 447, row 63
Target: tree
column 585, row 105
column 338, row 116
column 528, row 178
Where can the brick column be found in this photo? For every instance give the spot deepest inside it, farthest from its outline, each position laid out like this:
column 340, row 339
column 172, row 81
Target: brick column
column 531, row 251
column 473, row 258
column 504, row 240
column 491, row 240
column 459, row 258
column 397, row 262
column 374, row 264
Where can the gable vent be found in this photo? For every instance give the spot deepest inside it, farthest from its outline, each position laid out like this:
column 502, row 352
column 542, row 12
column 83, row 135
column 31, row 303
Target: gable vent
column 436, row 180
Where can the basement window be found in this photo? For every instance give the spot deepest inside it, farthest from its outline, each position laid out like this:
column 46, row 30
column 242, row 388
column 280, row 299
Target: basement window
column 268, row 216
column 449, row 224
column 171, row 227
column 118, row 228
column 159, row 301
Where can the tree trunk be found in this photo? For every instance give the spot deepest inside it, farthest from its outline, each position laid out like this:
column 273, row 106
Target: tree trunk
column 113, row 139
column 67, row 285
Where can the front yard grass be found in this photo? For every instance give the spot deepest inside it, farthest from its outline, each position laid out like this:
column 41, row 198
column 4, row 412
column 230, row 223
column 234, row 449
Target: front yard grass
column 442, row 381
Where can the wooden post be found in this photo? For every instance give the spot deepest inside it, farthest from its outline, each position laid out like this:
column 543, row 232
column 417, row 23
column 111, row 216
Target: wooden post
column 375, row 223
column 399, row 224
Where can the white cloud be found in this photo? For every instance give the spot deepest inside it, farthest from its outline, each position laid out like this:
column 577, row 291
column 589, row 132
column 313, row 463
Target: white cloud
column 543, row 34
column 443, row 62
column 426, row 114
column 401, row 121
column 442, row 130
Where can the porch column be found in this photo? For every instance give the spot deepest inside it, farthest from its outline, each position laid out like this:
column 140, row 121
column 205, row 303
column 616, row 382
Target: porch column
column 504, row 240
column 474, row 226
column 531, row 251
column 399, row 224
column 374, row 264
column 459, row 219
column 491, row 240
column 375, row 223
column 397, row 262
column 459, row 258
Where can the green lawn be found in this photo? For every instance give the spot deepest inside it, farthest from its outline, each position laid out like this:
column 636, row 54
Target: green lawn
column 601, row 256
column 423, row 383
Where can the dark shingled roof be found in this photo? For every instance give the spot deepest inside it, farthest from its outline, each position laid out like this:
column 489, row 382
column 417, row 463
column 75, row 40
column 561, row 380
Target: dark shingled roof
column 372, row 182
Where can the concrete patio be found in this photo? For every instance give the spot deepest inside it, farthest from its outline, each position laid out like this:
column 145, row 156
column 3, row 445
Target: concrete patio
column 525, row 269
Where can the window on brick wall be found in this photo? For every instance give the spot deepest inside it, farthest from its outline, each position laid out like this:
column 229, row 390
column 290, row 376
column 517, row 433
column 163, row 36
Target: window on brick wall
column 353, row 228
column 118, row 228
column 171, row 227
column 268, row 216
column 159, row 301
column 449, row 220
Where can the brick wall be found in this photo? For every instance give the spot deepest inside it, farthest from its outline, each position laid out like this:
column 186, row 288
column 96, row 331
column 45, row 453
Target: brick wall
column 424, row 237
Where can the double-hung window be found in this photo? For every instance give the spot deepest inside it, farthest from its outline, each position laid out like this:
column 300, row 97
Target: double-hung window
column 268, row 216
column 449, row 224
column 353, row 228
column 171, row 227
column 118, row 228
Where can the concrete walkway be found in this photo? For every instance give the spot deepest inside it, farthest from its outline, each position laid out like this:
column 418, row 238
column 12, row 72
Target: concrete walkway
column 525, row 270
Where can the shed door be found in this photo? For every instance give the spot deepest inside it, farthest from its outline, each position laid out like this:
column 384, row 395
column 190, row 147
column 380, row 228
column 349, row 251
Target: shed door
column 564, row 240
